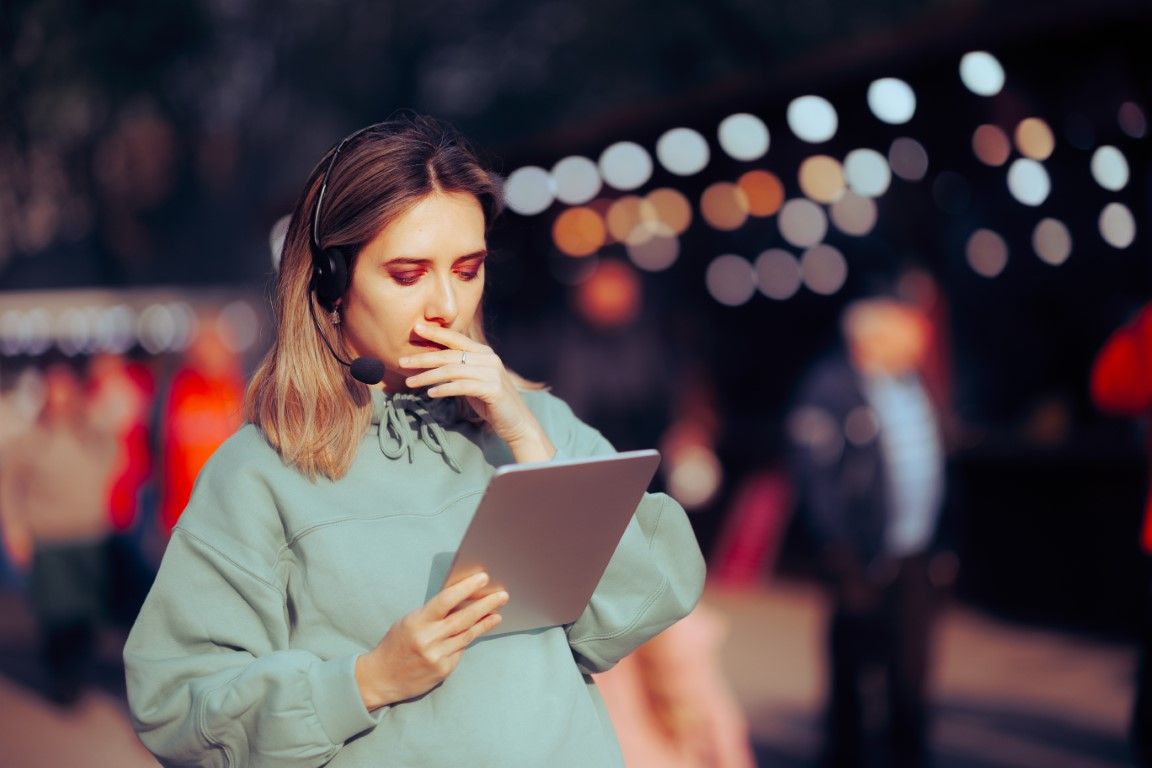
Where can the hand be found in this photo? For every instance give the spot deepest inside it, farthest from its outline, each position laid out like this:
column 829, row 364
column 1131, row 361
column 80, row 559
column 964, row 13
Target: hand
column 467, row 368
column 423, row 648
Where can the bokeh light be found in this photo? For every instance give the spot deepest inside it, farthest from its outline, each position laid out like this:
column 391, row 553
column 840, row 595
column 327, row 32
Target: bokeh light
column 743, row 136
column 624, row 221
column 802, row 223
column 1052, row 241
column 867, row 172
column 908, row 159
column 156, row 329
column 1034, row 138
column 822, row 178
column 1028, row 181
column 276, row 237
column 731, row 280
column 73, row 331
column 778, row 274
column 682, row 151
column 115, row 329
column 579, row 231
column 987, row 253
column 238, row 326
column 1109, row 168
column 854, row 214
column 577, row 180
column 724, row 206
column 1117, row 225
column 610, row 297
column 763, row 191
column 1132, row 120
column 529, row 190
column 892, row 100
column 655, row 254
column 666, row 212
column 626, row 165
column 824, row 269
column 990, row 145
column 981, row 73
column 812, row 119
column 695, row 475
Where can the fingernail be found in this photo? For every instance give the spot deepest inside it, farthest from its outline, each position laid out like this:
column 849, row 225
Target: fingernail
column 503, row 596
column 408, row 381
column 420, row 326
column 481, row 578
column 403, row 361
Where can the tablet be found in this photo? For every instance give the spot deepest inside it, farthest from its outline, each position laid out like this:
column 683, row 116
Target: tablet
column 545, row 533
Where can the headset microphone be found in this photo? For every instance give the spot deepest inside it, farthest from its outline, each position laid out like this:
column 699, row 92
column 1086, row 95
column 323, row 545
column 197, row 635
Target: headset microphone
column 366, row 370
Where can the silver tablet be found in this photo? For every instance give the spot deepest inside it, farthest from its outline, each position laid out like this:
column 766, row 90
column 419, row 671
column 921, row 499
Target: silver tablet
column 545, row 533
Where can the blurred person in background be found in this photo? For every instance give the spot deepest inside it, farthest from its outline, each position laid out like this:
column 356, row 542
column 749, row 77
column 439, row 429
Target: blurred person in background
column 671, row 704
column 290, row 622
column 54, row 489
column 1122, row 385
column 869, row 467
column 203, row 407
column 123, row 389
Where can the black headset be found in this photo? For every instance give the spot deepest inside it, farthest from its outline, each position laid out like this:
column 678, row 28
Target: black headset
column 330, row 276
column 330, row 265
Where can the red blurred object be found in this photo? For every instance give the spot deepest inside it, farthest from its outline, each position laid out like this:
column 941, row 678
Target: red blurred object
column 204, row 407
column 122, row 391
column 753, row 530
column 1122, row 383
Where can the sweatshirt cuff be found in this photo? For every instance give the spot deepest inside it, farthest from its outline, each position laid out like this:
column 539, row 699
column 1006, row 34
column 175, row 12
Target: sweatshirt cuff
column 337, row 700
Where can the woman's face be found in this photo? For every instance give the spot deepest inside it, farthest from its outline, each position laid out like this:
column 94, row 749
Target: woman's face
column 426, row 266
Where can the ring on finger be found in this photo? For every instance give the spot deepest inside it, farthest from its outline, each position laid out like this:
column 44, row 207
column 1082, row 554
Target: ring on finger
column 464, row 357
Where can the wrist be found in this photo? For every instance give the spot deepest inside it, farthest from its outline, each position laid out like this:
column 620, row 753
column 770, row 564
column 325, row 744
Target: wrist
column 368, row 681
column 532, row 447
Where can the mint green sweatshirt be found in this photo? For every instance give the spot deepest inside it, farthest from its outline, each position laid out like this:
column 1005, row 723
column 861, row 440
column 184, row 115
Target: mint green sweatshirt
column 272, row 585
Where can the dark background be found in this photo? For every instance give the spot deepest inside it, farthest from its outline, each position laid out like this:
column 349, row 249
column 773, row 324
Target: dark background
column 155, row 144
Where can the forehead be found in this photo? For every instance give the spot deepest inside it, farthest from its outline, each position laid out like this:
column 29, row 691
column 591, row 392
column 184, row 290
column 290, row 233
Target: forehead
column 441, row 224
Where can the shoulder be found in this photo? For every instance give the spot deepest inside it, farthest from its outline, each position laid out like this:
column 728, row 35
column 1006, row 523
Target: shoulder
column 236, row 491
column 549, row 409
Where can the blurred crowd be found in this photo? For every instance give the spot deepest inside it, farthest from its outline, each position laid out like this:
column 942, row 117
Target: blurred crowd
column 97, row 459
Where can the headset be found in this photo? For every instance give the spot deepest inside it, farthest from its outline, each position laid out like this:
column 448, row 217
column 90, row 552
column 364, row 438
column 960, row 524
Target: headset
column 330, row 276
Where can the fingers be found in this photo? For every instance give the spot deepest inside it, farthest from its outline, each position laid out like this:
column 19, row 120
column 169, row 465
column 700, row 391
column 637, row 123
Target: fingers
column 457, row 643
column 445, row 601
column 447, row 337
column 469, row 615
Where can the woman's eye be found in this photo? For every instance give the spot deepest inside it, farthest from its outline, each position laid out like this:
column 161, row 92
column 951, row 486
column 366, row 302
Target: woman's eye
column 468, row 274
column 406, row 278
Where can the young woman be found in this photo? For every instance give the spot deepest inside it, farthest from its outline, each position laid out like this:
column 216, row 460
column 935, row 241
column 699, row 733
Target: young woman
column 290, row 624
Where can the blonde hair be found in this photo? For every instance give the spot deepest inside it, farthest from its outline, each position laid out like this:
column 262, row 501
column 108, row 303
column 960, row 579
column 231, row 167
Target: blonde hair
column 306, row 403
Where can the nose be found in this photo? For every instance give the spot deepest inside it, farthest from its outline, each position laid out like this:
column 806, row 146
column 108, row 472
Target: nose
column 441, row 306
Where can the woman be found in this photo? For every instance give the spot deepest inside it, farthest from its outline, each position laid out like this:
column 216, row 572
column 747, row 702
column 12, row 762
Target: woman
column 290, row 624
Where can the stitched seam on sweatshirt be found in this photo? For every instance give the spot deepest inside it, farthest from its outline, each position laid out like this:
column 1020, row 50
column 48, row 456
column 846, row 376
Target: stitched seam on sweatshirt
column 357, row 518
column 651, row 598
column 223, row 555
column 201, row 724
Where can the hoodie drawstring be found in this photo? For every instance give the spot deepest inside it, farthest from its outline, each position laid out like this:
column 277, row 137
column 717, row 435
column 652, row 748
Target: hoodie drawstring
column 404, row 415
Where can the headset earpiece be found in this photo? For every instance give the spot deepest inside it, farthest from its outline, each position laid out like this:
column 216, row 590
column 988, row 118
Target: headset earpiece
column 329, row 276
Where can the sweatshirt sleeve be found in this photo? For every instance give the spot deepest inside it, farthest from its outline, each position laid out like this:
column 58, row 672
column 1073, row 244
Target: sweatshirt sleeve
column 211, row 678
column 655, row 576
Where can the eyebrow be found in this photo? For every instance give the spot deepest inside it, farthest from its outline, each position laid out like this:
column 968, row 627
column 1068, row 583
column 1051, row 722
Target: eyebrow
column 482, row 254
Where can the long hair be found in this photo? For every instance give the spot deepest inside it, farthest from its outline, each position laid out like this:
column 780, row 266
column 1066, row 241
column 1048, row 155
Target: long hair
column 307, row 404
